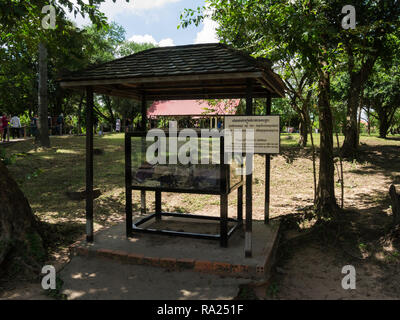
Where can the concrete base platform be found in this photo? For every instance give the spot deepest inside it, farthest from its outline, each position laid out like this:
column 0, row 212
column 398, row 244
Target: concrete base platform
column 178, row 253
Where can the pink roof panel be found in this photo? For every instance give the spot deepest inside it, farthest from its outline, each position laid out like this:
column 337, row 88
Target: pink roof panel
column 191, row 107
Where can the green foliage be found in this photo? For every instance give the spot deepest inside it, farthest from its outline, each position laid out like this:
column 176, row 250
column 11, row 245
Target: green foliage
column 35, row 246
column 288, row 115
column 273, row 290
column 29, row 11
column 102, row 44
column 130, row 47
column 110, row 108
column 382, row 95
column 7, row 160
column 35, row 174
column 69, row 49
column 2, row 154
column 66, row 45
column 301, row 34
column 307, row 41
column 56, row 293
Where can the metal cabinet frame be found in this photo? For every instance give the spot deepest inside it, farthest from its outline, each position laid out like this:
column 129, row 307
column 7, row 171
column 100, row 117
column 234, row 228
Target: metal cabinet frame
column 224, row 190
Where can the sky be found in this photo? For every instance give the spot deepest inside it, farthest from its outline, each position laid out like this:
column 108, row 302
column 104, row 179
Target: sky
column 156, row 21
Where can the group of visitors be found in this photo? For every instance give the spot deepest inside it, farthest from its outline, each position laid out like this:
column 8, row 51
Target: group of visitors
column 9, row 125
column 55, row 125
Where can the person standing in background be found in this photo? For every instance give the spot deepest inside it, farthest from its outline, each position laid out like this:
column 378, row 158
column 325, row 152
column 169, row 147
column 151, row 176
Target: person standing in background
column 118, row 126
column 49, row 124
column 1, row 130
column 34, row 129
column 15, row 124
column 4, row 120
column 95, row 123
column 60, row 122
column 127, row 124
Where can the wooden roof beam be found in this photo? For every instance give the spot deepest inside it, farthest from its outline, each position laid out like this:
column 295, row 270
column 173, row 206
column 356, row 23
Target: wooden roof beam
column 146, row 80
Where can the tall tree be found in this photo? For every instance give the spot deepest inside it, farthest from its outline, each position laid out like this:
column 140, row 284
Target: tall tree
column 110, row 45
column 372, row 38
column 20, row 237
column 382, row 95
column 296, row 27
column 300, row 88
column 131, row 47
column 43, row 97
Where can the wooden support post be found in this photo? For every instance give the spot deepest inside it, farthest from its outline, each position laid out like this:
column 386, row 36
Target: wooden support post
column 144, row 113
column 128, row 184
column 142, row 202
column 249, row 206
column 158, row 205
column 223, row 224
column 224, row 221
column 143, row 127
column 267, row 170
column 249, row 179
column 89, row 165
column 240, row 204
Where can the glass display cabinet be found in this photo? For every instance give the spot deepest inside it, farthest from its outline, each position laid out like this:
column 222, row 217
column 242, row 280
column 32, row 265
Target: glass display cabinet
column 195, row 164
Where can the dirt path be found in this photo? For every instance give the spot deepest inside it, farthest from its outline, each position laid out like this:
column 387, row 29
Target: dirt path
column 91, row 279
column 316, row 273
column 23, row 291
column 312, row 268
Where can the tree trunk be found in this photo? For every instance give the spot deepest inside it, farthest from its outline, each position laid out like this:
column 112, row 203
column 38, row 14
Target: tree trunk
column 383, row 129
column 310, row 126
column 395, row 197
column 108, row 102
column 357, row 80
column 20, row 241
column 43, row 98
column 303, row 130
column 359, row 118
column 80, row 115
column 350, row 144
column 326, row 205
column 383, row 122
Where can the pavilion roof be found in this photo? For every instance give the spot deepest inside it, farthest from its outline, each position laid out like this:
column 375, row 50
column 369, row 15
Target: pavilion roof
column 202, row 71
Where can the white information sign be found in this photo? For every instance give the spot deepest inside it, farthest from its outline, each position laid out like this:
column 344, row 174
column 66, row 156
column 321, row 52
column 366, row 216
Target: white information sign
column 266, row 133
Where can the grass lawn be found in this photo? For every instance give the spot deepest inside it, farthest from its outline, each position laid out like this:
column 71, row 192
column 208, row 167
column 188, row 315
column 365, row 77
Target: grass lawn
column 45, row 175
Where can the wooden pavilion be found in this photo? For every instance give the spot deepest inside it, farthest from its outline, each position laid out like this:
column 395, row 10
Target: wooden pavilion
column 203, row 71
